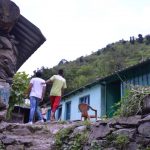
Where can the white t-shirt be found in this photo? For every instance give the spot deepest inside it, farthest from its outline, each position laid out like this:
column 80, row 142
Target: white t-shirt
column 37, row 87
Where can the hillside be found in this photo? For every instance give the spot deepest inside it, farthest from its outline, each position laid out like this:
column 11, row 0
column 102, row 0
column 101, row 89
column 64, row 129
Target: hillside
column 113, row 57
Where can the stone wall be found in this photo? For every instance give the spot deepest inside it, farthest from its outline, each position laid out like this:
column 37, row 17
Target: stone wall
column 132, row 133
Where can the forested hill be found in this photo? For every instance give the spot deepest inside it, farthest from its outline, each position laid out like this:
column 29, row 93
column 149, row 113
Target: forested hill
column 113, row 57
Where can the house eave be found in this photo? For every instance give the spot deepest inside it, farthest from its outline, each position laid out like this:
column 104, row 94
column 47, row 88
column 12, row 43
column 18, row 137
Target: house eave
column 116, row 76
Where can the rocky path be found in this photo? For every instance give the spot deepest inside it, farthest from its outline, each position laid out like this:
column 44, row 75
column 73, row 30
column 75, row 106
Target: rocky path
column 131, row 133
column 39, row 136
column 22, row 136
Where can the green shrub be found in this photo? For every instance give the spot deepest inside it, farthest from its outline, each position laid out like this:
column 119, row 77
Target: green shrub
column 95, row 146
column 131, row 102
column 110, row 138
column 76, row 142
column 2, row 147
column 61, row 136
column 87, row 123
column 121, row 141
column 79, row 141
column 19, row 85
column 147, row 148
column 62, row 122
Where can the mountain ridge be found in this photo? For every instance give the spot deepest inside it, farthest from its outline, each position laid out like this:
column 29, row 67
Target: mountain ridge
column 103, row 62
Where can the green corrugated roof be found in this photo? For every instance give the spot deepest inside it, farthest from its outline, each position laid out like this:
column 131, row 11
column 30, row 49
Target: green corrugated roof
column 118, row 75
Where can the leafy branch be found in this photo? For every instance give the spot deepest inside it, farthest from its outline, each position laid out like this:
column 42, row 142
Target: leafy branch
column 20, row 84
column 132, row 102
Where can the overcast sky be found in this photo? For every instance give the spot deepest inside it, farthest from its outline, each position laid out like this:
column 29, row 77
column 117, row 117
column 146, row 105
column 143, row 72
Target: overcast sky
column 75, row 28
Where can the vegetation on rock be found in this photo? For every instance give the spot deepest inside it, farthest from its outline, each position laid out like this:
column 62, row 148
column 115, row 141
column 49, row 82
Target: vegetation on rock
column 79, row 140
column 2, row 147
column 121, row 141
column 68, row 139
column 61, row 136
column 132, row 102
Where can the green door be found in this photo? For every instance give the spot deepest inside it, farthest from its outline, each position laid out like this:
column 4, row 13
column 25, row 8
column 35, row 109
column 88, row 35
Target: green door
column 113, row 95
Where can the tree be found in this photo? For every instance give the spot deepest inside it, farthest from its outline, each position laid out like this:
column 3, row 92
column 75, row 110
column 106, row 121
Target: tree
column 63, row 61
column 132, row 40
column 147, row 39
column 140, row 39
column 19, row 86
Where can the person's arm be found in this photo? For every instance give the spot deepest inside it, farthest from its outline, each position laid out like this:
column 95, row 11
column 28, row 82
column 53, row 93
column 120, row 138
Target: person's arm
column 64, row 87
column 48, row 81
column 28, row 90
column 43, row 92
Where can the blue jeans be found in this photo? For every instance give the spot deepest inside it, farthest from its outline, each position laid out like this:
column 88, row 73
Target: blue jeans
column 34, row 108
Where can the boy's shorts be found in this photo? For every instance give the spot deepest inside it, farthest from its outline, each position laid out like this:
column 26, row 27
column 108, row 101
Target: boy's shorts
column 55, row 101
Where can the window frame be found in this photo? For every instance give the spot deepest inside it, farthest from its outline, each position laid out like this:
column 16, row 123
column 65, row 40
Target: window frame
column 84, row 99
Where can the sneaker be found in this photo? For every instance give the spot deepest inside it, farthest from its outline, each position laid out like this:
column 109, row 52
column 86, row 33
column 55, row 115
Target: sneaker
column 30, row 122
column 40, row 121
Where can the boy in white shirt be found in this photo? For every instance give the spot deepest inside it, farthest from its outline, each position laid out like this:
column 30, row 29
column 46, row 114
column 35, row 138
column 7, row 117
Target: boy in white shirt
column 37, row 91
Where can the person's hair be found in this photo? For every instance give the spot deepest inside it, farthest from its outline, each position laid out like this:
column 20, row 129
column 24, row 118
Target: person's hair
column 60, row 72
column 38, row 74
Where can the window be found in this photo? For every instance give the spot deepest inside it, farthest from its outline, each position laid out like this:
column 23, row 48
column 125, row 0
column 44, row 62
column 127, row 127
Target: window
column 85, row 99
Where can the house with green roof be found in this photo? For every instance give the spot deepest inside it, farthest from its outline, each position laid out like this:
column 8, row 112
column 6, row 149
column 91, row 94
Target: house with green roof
column 104, row 92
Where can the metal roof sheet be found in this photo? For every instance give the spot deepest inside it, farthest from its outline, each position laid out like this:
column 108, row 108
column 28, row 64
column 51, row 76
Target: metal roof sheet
column 110, row 78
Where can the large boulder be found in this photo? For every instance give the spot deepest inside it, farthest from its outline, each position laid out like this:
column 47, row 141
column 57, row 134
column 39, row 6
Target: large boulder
column 146, row 105
column 4, row 98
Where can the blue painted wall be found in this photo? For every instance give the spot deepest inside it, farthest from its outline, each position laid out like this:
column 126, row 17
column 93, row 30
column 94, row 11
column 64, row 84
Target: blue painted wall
column 95, row 101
